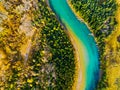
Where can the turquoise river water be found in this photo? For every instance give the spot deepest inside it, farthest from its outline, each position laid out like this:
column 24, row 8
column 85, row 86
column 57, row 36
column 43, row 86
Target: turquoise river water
column 81, row 31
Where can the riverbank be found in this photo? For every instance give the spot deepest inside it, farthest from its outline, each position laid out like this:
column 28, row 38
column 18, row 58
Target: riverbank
column 79, row 83
column 79, row 80
column 79, row 77
column 78, row 15
column 88, row 49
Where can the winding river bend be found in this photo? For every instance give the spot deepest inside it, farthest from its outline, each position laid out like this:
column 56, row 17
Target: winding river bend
column 89, row 65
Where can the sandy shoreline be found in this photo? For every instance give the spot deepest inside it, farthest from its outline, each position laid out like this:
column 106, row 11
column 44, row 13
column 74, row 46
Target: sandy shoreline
column 79, row 77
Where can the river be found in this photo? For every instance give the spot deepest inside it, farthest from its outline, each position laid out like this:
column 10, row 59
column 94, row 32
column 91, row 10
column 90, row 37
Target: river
column 87, row 45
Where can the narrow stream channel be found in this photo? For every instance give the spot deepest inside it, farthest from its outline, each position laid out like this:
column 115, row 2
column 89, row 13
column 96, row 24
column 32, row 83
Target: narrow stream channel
column 89, row 51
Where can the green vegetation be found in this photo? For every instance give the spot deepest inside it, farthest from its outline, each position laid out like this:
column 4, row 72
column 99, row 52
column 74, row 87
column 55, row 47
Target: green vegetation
column 50, row 64
column 99, row 15
column 54, row 40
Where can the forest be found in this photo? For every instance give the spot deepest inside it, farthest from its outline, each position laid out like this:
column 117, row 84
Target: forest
column 54, row 38
column 50, row 63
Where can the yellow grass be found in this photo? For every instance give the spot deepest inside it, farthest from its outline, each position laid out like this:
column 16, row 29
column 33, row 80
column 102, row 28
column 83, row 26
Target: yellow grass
column 2, row 8
column 3, row 63
column 2, row 55
column 113, row 72
column 112, row 39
